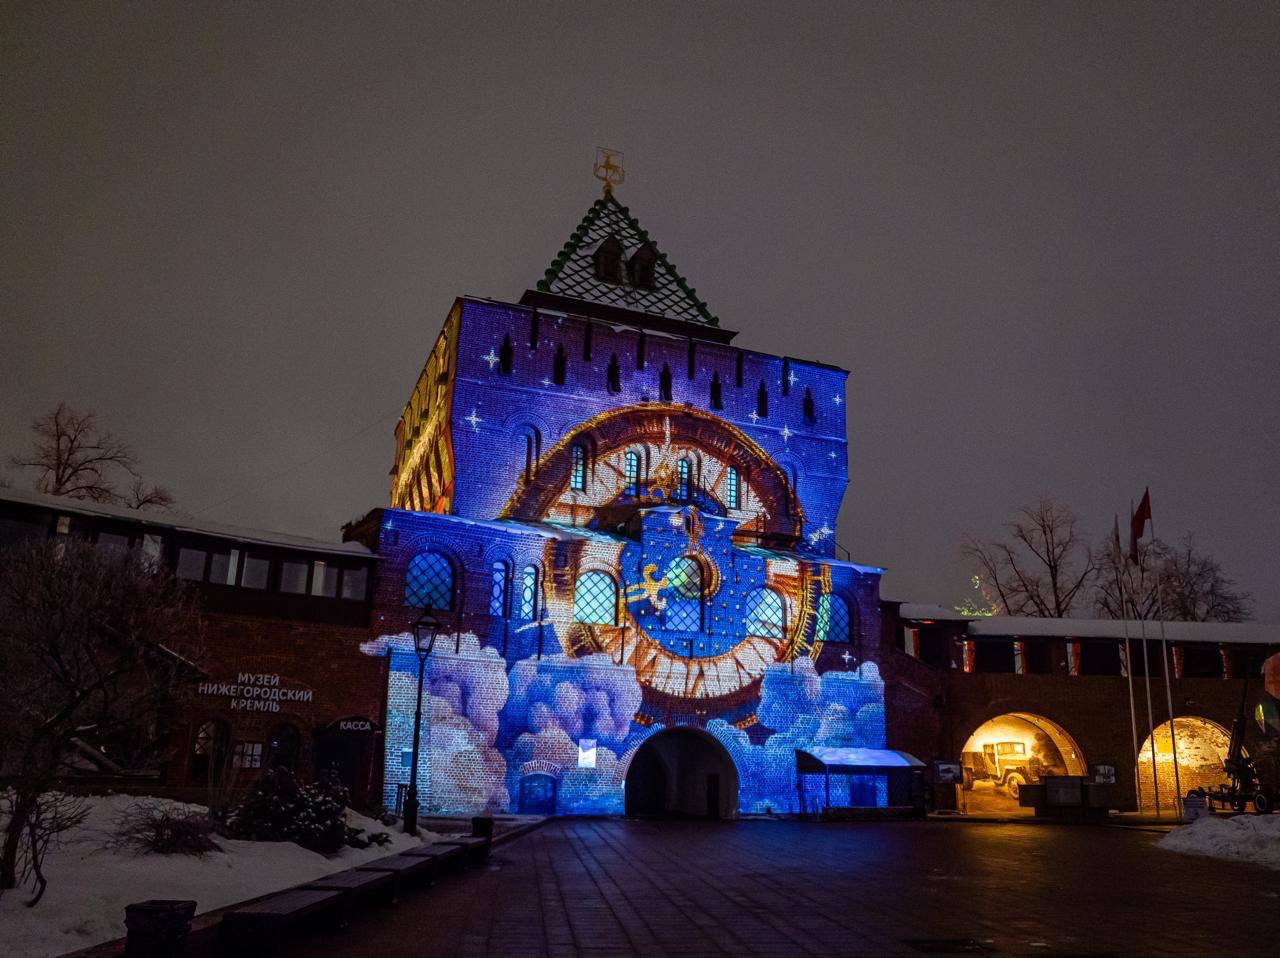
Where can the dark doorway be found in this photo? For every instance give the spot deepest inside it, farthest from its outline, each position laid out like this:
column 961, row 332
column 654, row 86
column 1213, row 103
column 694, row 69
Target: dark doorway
column 537, row 794
column 682, row 773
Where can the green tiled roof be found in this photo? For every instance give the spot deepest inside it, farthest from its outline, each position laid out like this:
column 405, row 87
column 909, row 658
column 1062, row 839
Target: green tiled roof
column 572, row 273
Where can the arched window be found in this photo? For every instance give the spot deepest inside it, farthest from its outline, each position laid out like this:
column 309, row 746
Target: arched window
column 732, row 490
column 429, row 582
column 765, row 615
column 208, row 753
column 640, row 350
column 613, row 376
column 664, row 383
column 737, row 370
column 810, row 414
column 717, row 401
column 558, row 366
column 786, row 376
column 529, row 592
column 682, row 480
column 762, row 402
column 282, row 747
column 833, row 619
column 532, row 453
column 505, row 360
column 684, row 604
column 595, row 599
column 498, row 575
column 607, row 261
column 631, row 474
column 578, row 472
column 586, row 343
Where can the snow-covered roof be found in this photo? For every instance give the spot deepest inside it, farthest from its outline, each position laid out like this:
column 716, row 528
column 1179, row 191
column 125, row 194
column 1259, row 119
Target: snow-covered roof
column 918, row 611
column 179, row 522
column 860, row 758
column 1243, row 633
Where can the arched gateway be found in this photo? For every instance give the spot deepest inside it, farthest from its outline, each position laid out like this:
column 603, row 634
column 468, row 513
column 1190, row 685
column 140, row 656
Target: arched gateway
column 682, row 772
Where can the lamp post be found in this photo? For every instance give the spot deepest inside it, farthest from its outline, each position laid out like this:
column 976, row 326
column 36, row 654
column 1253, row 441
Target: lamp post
column 425, row 630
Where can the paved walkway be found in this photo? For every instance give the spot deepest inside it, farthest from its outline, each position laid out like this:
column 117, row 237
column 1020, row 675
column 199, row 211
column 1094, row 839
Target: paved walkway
column 612, row 887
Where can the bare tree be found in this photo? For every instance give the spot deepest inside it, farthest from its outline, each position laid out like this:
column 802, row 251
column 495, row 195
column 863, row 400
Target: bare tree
column 73, row 456
column 1041, row 568
column 1182, row 582
column 94, row 647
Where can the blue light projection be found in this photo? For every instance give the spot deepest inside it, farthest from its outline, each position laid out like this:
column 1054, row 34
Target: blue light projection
column 628, row 550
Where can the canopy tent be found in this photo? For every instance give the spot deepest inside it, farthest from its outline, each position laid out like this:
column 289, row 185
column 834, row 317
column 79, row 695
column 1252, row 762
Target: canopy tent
column 887, row 776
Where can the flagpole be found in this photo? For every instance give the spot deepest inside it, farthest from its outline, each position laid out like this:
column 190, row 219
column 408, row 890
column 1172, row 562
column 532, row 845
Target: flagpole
column 1146, row 681
column 1128, row 665
column 1167, row 663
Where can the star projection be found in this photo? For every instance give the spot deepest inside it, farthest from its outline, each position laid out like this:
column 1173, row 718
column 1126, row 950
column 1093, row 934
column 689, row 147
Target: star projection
column 631, row 524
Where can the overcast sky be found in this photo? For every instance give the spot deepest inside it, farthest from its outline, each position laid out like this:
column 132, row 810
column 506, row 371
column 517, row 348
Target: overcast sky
column 1043, row 237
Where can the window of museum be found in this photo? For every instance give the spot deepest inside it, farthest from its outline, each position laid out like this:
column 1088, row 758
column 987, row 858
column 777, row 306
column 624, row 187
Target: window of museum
column 498, row 589
column 191, row 564
column 717, row 399
column 429, row 582
column 631, row 474
column 293, row 576
column 682, row 480
column 810, row 412
column 607, row 261
column 664, row 383
column 833, row 618
column 595, row 599
column 640, row 267
column 1199, row 661
column 993, row 655
column 578, row 473
column 247, row 755
column 529, row 593
column 613, row 376
column 733, row 494
column 283, row 744
column 324, row 579
column 765, row 615
column 762, row 402
column 257, row 570
column 208, row 753
column 1101, row 658
column 355, row 583
column 684, row 605
column 224, row 567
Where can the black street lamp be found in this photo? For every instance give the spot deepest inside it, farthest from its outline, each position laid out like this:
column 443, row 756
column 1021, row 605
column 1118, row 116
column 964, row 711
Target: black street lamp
column 425, row 630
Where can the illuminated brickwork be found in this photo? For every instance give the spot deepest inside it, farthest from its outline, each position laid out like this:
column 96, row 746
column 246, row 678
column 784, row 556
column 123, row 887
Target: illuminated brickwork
column 638, row 536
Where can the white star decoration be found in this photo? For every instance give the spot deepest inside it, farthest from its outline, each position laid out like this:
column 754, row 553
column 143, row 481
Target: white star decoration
column 491, row 359
column 837, row 400
column 846, row 658
column 474, row 420
column 786, row 434
column 793, row 378
column 546, row 382
column 817, row 535
column 754, row 417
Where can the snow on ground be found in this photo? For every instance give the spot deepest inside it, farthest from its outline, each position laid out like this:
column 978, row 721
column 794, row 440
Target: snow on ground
column 89, row 884
column 1246, row 838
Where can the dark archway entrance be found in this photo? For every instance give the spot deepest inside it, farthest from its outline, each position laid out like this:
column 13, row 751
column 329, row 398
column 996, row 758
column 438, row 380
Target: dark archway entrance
column 682, row 773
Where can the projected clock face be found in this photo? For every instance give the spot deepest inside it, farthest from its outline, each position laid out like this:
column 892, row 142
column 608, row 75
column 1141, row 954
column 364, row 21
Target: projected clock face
column 699, row 617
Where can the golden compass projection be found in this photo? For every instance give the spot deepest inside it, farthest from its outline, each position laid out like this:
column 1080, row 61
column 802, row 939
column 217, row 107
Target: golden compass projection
column 664, row 508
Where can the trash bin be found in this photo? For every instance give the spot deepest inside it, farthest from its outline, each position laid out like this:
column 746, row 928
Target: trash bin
column 157, row 928
column 482, row 826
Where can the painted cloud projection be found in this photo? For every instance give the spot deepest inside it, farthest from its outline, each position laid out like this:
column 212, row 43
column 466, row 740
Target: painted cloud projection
column 842, row 709
column 579, row 716
column 459, row 770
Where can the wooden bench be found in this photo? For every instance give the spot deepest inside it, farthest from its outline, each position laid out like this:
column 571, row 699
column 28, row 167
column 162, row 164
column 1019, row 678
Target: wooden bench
column 474, row 848
column 256, row 928
column 355, row 885
column 403, row 869
column 449, row 859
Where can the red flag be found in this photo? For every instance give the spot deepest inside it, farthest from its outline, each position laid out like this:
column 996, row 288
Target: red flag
column 1138, row 524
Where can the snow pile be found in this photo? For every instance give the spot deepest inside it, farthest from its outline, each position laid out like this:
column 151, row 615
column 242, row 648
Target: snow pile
column 1246, row 838
column 89, row 883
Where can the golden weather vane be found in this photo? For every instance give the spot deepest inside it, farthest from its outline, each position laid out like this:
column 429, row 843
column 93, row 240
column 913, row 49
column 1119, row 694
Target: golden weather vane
column 609, row 168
